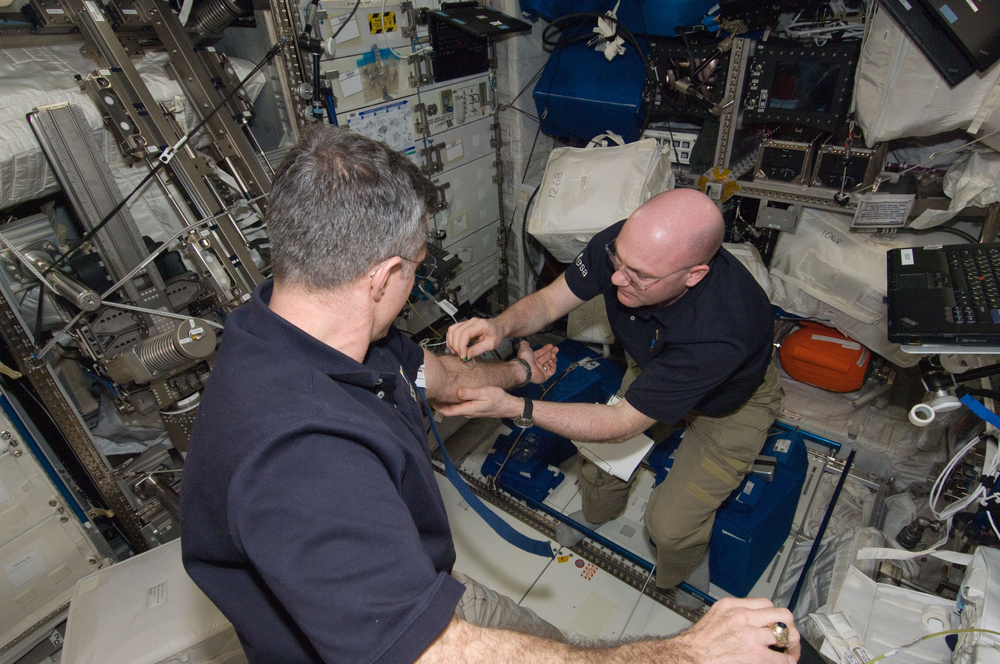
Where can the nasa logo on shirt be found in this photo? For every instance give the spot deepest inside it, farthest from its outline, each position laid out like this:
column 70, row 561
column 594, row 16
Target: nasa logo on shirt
column 579, row 264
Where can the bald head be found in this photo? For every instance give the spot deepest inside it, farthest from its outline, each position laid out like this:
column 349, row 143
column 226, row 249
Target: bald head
column 683, row 226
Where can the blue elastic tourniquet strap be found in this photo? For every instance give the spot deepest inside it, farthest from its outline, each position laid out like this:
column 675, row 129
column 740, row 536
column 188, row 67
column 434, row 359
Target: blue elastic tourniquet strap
column 979, row 409
column 501, row 527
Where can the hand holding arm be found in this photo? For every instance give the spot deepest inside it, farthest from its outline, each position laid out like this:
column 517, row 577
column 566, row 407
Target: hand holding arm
column 446, row 375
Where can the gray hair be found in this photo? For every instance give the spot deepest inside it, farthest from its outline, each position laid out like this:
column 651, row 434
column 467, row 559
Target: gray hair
column 341, row 204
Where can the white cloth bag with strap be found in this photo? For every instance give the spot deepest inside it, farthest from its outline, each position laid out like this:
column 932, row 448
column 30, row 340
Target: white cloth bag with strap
column 899, row 93
column 585, row 190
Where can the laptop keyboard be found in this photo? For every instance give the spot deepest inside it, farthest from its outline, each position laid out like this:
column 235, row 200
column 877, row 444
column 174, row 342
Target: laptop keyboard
column 974, row 280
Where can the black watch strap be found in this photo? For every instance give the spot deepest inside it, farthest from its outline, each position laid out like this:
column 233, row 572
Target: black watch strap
column 527, row 371
column 525, row 421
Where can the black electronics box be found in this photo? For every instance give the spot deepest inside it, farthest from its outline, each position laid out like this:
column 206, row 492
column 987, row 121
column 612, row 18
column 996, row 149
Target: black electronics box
column 804, row 86
column 460, row 34
column 784, row 161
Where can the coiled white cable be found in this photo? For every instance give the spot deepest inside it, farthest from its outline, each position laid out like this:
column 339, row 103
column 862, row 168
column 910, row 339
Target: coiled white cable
column 991, row 463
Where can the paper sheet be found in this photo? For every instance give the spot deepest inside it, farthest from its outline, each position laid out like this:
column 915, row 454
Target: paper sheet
column 618, row 459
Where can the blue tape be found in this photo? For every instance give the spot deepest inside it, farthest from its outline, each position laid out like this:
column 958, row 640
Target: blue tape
column 979, row 409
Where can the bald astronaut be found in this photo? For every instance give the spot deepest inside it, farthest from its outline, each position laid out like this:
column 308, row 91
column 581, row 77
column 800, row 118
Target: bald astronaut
column 698, row 331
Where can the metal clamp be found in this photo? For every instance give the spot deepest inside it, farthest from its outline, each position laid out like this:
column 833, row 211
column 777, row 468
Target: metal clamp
column 433, row 156
column 421, row 70
column 442, row 201
column 420, row 124
column 408, row 31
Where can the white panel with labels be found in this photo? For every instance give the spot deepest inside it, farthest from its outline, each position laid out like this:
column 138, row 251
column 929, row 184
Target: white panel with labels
column 369, row 26
column 361, row 84
column 27, row 497
column 365, row 79
column 44, row 548
column 474, row 281
column 454, row 103
column 475, row 247
column 472, row 200
column 456, row 147
column 39, row 570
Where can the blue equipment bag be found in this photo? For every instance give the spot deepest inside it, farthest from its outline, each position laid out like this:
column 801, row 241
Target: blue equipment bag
column 532, row 469
column 753, row 523
column 581, row 95
column 748, row 533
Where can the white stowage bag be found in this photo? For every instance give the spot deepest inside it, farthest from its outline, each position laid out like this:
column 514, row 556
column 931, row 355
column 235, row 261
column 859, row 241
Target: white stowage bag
column 899, row 93
column 823, row 262
column 585, row 190
column 42, row 75
column 147, row 610
column 974, row 179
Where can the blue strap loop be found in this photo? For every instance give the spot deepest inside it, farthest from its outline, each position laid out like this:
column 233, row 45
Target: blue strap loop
column 538, row 547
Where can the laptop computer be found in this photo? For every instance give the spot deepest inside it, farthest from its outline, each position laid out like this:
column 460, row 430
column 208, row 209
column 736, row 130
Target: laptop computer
column 972, row 24
column 920, row 26
column 944, row 295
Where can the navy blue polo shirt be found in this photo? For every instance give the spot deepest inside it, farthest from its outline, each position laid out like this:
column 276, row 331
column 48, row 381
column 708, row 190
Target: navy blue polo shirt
column 311, row 513
column 707, row 352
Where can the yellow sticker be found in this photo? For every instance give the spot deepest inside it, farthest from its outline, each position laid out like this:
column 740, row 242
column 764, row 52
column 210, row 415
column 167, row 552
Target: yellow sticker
column 563, row 559
column 384, row 22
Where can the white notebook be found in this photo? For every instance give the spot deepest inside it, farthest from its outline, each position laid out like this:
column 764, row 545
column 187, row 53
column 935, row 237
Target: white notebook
column 618, row 459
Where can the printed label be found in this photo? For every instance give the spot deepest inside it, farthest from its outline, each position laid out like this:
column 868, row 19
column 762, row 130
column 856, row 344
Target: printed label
column 95, row 11
column 883, row 210
column 25, row 569
column 156, row 595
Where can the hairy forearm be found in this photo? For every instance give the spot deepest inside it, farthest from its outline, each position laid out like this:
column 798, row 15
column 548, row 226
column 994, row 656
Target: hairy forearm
column 532, row 313
column 463, row 643
column 526, row 316
column 458, row 374
column 590, row 422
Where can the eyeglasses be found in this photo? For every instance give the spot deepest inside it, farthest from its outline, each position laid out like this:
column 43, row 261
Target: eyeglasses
column 424, row 269
column 637, row 283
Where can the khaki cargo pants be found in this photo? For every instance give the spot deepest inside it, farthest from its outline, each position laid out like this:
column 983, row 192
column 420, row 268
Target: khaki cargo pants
column 713, row 458
column 486, row 608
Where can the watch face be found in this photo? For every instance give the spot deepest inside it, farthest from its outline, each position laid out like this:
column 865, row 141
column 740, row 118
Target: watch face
column 524, row 422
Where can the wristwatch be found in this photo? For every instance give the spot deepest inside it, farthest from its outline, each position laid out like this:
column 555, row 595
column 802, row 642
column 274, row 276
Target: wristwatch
column 525, row 421
column 527, row 370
